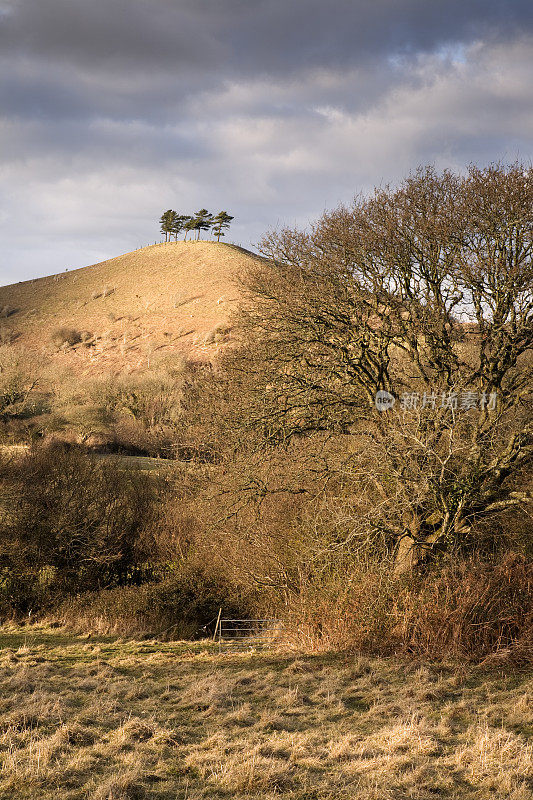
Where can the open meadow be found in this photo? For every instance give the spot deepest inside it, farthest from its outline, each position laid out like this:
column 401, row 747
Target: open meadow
column 113, row 719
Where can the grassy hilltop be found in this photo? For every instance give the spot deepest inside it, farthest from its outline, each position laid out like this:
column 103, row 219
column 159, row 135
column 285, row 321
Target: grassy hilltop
column 163, row 298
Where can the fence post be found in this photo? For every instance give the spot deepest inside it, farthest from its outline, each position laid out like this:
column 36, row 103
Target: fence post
column 216, row 626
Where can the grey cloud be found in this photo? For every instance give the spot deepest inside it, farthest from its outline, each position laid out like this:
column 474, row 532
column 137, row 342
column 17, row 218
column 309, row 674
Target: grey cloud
column 273, row 109
column 256, row 35
column 105, row 35
column 134, row 59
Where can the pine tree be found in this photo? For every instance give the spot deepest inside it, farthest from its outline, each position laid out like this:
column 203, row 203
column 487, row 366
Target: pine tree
column 221, row 221
column 166, row 222
column 189, row 225
column 178, row 224
column 202, row 221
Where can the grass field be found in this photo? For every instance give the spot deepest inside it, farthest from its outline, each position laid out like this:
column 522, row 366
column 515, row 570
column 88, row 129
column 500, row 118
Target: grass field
column 123, row 720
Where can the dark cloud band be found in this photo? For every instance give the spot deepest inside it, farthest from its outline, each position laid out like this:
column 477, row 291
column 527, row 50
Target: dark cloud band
column 273, row 109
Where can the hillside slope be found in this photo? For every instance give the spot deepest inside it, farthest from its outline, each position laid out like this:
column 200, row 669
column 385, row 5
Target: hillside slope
column 162, row 298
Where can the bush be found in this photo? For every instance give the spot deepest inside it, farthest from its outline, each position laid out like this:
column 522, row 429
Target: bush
column 218, row 334
column 73, row 519
column 64, row 336
column 178, row 607
column 468, row 610
column 471, row 610
column 131, row 414
column 7, row 311
column 147, row 411
column 7, row 335
column 87, row 338
column 19, row 378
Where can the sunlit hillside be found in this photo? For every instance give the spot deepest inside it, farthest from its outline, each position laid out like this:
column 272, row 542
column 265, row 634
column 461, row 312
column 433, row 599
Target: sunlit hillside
column 159, row 299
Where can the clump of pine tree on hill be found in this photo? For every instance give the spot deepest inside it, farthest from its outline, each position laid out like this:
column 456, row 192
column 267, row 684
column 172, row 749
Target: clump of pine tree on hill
column 172, row 223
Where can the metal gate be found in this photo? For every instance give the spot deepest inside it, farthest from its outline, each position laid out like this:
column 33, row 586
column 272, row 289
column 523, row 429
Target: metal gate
column 241, row 635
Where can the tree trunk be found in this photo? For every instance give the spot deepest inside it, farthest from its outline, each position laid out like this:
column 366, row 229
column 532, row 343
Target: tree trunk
column 422, row 539
column 410, row 550
column 407, row 556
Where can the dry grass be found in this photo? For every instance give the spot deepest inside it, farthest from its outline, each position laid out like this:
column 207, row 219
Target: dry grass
column 65, row 337
column 108, row 719
column 166, row 294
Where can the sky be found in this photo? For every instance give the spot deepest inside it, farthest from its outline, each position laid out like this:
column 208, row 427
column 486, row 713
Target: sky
column 112, row 111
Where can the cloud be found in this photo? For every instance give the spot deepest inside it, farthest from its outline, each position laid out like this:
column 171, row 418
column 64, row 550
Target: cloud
column 114, row 110
column 264, row 36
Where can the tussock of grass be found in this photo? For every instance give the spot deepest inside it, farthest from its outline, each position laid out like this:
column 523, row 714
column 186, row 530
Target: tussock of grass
column 65, row 336
column 105, row 718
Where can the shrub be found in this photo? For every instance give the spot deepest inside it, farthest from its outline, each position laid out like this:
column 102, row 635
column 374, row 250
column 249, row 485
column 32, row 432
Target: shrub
column 64, row 336
column 7, row 311
column 19, row 377
column 220, row 333
column 77, row 518
column 132, row 436
column 147, row 411
column 87, row 338
column 468, row 610
column 177, row 607
column 7, row 335
column 85, row 419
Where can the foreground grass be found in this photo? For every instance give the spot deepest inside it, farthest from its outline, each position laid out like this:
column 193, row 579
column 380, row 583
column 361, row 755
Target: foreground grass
column 119, row 720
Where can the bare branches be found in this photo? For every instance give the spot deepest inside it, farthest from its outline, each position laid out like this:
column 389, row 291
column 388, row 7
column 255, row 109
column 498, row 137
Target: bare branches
column 427, row 288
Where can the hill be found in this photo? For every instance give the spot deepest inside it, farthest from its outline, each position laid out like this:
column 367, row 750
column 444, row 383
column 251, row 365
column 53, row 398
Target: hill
column 162, row 298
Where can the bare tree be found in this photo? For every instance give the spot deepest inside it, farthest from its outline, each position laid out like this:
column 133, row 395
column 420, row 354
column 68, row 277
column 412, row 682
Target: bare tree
column 424, row 292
